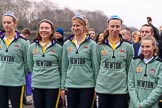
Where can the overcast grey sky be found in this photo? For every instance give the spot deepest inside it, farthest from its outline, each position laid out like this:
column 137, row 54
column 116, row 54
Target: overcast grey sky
column 133, row 12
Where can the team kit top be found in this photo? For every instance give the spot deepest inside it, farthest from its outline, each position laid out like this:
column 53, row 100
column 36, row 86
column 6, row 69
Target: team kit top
column 45, row 66
column 79, row 64
column 114, row 64
column 145, row 82
column 13, row 60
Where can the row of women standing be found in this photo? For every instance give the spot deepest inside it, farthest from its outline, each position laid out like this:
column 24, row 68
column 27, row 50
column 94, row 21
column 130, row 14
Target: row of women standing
column 79, row 68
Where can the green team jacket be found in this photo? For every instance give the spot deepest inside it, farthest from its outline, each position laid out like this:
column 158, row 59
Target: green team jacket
column 114, row 64
column 78, row 65
column 45, row 67
column 145, row 83
column 13, row 61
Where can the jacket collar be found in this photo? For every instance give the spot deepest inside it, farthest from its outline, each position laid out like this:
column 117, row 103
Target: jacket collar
column 106, row 41
column 2, row 35
column 72, row 37
column 37, row 42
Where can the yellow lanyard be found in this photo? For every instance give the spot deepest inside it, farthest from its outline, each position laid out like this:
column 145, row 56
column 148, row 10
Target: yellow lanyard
column 44, row 48
column 113, row 44
column 75, row 42
column 8, row 40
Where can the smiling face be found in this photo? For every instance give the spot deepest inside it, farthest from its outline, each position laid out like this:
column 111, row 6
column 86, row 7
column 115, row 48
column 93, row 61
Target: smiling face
column 45, row 30
column 92, row 34
column 77, row 27
column 114, row 27
column 100, row 37
column 147, row 48
column 9, row 24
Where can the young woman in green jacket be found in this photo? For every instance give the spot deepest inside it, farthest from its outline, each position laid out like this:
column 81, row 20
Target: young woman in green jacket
column 78, row 66
column 145, row 76
column 13, row 62
column 44, row 61
column 114, row 55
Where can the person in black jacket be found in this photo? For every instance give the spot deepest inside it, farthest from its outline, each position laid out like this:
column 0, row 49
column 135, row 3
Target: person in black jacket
column 155, row 30
column 146, row 30
column 160, row 43
column 59, row 35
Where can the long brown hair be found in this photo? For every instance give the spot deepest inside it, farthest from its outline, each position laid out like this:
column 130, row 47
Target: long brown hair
column 52, row 28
